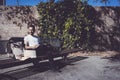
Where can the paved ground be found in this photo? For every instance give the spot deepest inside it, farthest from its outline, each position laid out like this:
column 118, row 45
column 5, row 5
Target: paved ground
column 76, row 68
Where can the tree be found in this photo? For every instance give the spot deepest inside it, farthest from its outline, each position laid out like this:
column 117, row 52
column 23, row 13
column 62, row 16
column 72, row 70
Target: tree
column 63, row 20
column 51, row 0
column 102, row 1
column 68, row 21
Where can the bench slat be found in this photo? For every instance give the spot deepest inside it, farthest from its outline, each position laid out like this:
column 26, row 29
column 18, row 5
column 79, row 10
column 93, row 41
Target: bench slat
column 68, row 51
column 11, row 62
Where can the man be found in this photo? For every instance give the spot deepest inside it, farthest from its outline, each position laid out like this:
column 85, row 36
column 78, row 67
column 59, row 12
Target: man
column 31, row 43
column 33, row 48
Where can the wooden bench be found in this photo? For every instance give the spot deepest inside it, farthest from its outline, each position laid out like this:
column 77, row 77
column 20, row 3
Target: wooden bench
column 52, row 53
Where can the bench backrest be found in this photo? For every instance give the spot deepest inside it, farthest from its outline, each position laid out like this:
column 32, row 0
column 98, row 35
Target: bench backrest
column 14, row 42
column 55, row 43
column 18, row 42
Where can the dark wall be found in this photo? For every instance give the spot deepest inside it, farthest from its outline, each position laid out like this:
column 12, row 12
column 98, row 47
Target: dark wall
column 106, row 23
column 3, row 44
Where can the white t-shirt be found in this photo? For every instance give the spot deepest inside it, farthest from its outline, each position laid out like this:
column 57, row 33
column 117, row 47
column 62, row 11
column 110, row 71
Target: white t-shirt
column 31, row 40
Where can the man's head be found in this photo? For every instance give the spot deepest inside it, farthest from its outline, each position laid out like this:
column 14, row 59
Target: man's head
column 31, row 29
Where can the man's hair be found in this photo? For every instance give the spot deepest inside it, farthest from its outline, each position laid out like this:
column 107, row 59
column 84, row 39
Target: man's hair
column 32, row 27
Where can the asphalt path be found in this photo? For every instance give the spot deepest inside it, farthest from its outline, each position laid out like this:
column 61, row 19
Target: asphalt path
column 75, row 68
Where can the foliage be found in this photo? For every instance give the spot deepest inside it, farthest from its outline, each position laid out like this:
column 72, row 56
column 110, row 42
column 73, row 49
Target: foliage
column 67, row 21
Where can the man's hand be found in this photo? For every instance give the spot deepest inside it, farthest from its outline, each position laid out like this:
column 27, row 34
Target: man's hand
column 34, row 47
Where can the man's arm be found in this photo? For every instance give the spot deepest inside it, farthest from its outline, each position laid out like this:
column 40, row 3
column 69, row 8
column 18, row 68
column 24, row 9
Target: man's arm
column 31, row 47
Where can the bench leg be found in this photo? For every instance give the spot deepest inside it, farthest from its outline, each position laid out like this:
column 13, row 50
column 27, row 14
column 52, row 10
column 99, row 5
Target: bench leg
column 51, row 61
column 35, row 62
column 65, row 57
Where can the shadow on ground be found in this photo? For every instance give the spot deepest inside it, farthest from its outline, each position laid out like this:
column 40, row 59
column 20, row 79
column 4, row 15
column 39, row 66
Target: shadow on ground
column 41, row 67
column 114, row 57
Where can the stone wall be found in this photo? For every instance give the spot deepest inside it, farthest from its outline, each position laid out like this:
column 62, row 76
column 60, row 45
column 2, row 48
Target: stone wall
column 14, row 21
column 106, row 23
